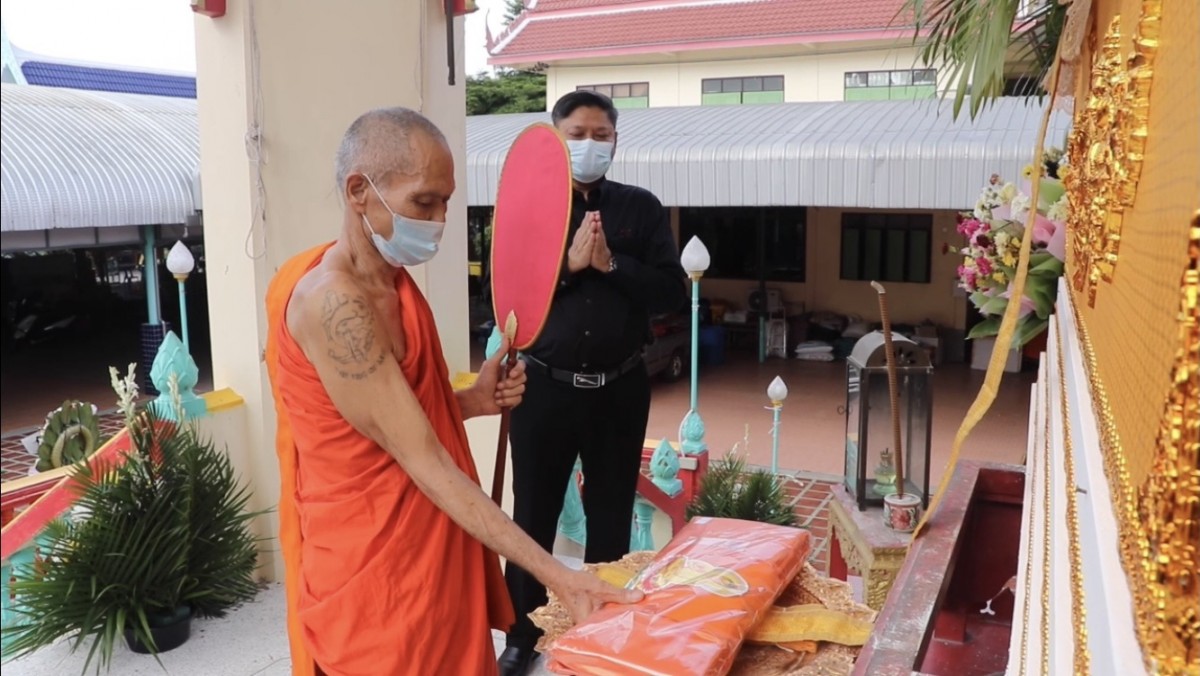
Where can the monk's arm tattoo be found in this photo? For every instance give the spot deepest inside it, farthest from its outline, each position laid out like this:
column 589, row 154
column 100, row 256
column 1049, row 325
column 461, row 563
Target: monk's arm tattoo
column 349, row 326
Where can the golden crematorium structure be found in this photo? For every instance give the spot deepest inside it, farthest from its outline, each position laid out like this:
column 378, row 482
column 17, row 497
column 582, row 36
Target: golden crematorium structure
column 1108, row 576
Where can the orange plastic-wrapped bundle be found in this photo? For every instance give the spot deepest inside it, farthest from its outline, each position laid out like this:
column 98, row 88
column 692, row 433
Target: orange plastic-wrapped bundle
column 704, row 592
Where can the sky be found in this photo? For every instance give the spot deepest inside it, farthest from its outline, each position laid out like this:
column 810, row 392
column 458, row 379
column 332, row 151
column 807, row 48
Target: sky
column 156, row 34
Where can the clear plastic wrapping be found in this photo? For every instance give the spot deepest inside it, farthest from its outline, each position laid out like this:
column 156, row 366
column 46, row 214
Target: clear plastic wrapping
column 704, row 591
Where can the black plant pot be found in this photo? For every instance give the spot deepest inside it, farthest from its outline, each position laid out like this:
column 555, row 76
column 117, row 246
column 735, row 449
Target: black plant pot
column 168, row 629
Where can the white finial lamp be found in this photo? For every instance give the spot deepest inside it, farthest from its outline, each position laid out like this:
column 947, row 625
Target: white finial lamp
column 180, row 263
column 777, row 391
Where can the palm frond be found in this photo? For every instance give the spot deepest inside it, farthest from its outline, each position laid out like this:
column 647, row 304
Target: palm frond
column 729, row 491
column 973, row 39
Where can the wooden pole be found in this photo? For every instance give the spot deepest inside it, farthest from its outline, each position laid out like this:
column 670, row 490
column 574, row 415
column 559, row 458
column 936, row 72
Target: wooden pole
column 893, row 390
column 510, row 360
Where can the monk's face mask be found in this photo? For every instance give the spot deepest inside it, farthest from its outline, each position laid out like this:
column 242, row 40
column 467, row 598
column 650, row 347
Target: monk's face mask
column 412, row 242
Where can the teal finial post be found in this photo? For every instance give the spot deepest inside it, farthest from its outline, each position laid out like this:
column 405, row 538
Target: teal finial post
column 173, row 358
column 664, row 473
column 642, row 539
column 572, row 522
column 664, row 469
column 695, row 261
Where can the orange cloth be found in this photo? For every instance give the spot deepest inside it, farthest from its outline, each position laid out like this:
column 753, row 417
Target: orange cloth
column 379, row 580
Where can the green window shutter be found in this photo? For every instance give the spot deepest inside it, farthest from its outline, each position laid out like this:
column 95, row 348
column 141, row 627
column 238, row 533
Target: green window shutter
column 724, row 99
column 762, row 97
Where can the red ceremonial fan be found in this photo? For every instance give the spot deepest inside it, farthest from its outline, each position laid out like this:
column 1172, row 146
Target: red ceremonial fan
column 529, row 238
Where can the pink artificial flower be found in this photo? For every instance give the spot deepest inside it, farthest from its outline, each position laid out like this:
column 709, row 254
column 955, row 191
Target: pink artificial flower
column 1044, row 229
column 968, row 278
column 984, row 266
column 1057, row 244
column 969, row 227
column 1026, row 303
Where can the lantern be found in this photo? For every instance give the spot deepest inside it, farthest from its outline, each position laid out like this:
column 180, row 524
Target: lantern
column 871, row 462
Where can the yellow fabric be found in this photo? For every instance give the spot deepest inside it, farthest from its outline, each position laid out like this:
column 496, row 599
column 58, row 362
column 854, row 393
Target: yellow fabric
column 1008, row 325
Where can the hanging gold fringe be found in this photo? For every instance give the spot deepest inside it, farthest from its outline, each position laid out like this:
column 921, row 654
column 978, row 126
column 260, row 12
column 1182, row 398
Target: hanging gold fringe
column 1008, row 324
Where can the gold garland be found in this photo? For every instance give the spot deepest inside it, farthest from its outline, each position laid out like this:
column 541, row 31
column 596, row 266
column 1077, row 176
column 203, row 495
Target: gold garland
column 1031, row 479
column 1106, row 149
column 1158, row 525
column 1046, row 507
column 1078, row 600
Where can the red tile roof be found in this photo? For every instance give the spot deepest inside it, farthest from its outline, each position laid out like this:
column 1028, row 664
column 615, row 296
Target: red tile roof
column 571, row 26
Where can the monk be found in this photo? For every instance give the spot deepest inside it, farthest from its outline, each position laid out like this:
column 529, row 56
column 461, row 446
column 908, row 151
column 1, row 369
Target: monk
column 389, row 542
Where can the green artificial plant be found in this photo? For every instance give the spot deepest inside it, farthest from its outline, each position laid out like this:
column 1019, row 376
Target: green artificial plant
column 161, row 535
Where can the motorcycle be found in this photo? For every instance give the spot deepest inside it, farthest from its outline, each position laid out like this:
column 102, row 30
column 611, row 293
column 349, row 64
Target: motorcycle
column 36, row 324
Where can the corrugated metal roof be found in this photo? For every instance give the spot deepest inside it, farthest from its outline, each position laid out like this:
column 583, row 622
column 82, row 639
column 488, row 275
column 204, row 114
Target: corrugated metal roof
column 869, row 154
column 108, row 79
column 87, row 159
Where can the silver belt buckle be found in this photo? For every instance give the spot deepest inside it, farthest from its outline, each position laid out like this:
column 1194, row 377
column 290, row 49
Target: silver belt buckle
column 589, row 381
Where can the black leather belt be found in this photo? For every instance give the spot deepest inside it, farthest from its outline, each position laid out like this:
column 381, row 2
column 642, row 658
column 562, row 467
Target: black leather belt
column 583, row 381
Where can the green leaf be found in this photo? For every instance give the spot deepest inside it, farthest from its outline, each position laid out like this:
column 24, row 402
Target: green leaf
column 1028, row 328
column 984, row 329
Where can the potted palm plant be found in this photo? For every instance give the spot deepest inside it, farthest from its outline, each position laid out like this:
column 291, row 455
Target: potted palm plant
column 151, row 542
column 728, row 490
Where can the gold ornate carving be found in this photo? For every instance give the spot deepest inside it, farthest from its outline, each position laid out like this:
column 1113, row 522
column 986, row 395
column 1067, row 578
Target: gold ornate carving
column 1078, row 599
column 1169, row 501
column 1158, row 524
column 1106, row 148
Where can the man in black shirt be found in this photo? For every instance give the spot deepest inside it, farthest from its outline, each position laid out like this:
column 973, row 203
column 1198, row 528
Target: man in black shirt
column 588, row 394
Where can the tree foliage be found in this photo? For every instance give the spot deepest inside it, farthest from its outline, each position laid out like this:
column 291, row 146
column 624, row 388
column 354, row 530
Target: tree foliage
column 508, row 91
column 513, row 9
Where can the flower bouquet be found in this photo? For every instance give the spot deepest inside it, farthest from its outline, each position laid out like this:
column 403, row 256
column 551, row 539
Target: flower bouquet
column 994, row 231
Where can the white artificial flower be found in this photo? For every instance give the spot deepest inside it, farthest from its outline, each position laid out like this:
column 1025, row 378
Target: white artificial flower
column 1007, row 193
column 1059, row 211
column 1019, row 207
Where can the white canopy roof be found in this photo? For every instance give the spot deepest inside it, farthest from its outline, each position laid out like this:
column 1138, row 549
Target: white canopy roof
column 88, row 159
column 868, row 154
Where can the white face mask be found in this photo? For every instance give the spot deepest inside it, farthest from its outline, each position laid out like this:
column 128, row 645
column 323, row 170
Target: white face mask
column 590, row 159
column 413, row 242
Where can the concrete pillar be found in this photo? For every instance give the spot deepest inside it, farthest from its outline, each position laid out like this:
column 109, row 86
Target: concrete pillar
column 285, row 78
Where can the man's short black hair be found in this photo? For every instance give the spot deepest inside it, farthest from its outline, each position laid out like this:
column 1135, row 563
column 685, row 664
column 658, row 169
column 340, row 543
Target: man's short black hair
column 583, row 99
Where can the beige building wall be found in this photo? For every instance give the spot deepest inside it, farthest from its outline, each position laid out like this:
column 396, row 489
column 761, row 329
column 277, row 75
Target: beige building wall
column 816, row 77
column 824, row 290
column 273, row 76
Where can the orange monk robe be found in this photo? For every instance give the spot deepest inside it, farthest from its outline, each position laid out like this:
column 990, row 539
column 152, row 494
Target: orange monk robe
column 379, row 580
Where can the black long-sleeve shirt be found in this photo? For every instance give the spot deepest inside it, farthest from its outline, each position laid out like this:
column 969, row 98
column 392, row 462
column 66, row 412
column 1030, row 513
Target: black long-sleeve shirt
column 598, row 320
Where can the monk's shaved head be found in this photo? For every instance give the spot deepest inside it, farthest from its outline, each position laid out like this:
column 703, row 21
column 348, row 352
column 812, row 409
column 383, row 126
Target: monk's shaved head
column 379, row 144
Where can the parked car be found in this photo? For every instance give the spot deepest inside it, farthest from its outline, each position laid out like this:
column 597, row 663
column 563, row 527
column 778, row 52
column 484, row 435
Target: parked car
column 667, row 356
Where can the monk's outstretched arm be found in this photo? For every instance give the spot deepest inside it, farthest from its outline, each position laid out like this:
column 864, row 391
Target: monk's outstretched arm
column 341, row 334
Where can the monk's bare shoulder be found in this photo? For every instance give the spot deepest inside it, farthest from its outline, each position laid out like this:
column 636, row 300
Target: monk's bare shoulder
column 333, row 320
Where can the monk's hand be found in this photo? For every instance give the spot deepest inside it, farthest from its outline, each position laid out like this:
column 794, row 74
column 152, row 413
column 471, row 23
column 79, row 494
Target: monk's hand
column 583, row 593
column 492, row 391
column 579, row 256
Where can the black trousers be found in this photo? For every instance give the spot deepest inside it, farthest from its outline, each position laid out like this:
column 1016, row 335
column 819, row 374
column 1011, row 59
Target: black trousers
column 555, row 423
